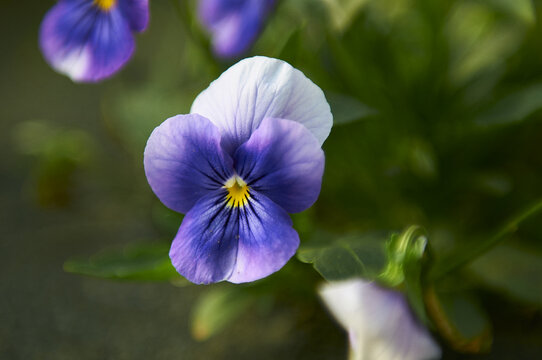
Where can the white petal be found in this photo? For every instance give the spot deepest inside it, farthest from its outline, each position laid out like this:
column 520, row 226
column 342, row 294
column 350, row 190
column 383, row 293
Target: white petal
column 75, row 64
column 379, row 322
column 260, row 87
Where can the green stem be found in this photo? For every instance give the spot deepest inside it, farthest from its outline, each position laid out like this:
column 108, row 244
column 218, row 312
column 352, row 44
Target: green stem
column 454, row 262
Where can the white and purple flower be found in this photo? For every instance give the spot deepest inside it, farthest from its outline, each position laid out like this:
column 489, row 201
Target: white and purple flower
column 249, row 153
column 379, row 322
column 234, row 24
column 90, row 40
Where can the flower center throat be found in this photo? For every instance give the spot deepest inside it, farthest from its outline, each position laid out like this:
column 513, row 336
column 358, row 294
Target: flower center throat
column 238, row 192
column 105, row 5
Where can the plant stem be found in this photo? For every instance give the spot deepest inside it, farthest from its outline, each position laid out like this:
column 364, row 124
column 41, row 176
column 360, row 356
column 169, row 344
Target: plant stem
column 454, row 261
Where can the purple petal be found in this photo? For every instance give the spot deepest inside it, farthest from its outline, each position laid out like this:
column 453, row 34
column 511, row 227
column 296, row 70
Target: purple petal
column 136, row 12
column 266, row 240
column 184, row 161
column 235, row 24
column 283, row 161
column 85, row 43
column 238, row 244
column 213, row 11
column 260, row 87
column 204, row 250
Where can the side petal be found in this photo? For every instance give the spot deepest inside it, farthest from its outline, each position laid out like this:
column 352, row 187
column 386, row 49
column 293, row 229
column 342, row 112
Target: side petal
column 238, row 244
column 234, row 24
column 260, row 87
column 184, row 161
column 136, row 13
column 83, row 42
column 283, row 161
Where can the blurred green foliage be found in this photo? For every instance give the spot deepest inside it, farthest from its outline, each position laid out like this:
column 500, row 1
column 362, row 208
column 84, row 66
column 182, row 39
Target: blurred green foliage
column 437, row 123
column 58, row 153
column 142, row 262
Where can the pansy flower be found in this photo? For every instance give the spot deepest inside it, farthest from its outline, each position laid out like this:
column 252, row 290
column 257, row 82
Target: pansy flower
column 247, row 155
column 89, row 40
column 379, row 322
column 234, row 24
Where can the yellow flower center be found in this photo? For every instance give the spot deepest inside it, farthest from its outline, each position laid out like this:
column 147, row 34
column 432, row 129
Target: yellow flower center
column 238, row 192
column 105, row 5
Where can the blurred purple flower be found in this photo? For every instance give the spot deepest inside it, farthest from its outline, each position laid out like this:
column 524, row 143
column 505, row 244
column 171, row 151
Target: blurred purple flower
column 234, row 24
column 89, row 40
column 379, row 322
column 249, row 152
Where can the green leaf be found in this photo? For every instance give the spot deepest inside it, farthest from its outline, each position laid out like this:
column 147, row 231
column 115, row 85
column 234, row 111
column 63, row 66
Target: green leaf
column 513, row 271
column 370, row 256
column 496, row 184
column 521, row 9
column 418, row 155
column 141, row 262
column 346, row 109
column 359, row 255
column 392, row 261
column 290, row 49
column 217, row 309
column 342, row 12
column 48, row 141
column 479, row 42
column 514, row 107
column 460, row 321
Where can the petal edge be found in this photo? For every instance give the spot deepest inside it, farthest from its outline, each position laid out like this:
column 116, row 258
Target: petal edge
column 260, row 87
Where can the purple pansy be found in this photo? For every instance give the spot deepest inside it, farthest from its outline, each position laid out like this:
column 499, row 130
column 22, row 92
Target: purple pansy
column 379, row 322
column 234, row 24
column 89, row 40
column 249, row 153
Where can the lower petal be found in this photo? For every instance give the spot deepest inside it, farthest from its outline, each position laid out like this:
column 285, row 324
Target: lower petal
column 238, row 244
column 85, row 43
column 204, row 250
column 266, row 240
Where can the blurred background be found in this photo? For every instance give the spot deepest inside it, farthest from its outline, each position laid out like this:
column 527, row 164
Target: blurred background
column 437, row 122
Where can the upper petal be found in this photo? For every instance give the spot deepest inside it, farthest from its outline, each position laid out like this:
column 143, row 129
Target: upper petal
column 283, row 161
column 239, row 244
column 235, row 24
column 184, row 161
column 260, row 87
column 83, row 42
column 136, row 13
